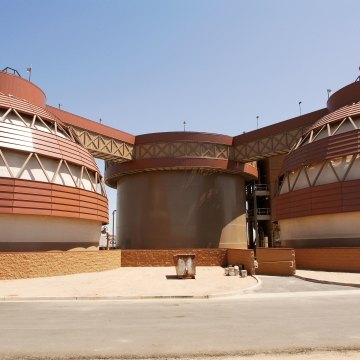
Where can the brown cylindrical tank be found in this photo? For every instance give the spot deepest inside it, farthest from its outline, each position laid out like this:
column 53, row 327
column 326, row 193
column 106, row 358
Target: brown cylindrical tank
column 182, row 190
column 179, row 209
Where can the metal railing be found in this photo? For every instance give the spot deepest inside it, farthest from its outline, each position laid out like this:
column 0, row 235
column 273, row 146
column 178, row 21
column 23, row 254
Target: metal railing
column 10, row 70
column 261, row 187
column 259, row 211
column 256, row 187
column 263, row 211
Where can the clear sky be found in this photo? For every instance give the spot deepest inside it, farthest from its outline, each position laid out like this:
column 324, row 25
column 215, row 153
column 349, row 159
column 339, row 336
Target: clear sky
column 149, row 65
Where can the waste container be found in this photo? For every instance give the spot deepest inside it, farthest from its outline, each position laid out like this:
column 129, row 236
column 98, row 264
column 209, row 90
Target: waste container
column 243, row 273
column 185, row 266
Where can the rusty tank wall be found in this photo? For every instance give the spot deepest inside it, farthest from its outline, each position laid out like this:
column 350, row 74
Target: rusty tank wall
column 178, row 209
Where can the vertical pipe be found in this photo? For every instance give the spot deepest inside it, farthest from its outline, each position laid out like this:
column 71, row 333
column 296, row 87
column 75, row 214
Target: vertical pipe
column 113, row 225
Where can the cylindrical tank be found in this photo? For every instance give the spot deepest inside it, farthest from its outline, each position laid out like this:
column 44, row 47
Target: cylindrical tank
column 52, row 195
column 182, row 190
column 319, row 199
column 179, row 209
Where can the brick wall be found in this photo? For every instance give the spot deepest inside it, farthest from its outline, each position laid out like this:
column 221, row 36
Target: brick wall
column 241, row 257
column 203, row 257
column 329, row 259
column 277, row 262
column 40, row 264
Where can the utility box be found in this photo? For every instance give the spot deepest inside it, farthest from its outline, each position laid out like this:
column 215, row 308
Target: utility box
column 185, row 266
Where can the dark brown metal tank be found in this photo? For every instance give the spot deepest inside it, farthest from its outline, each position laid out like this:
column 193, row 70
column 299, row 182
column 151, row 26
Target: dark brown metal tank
column 181, row 190
column 179, row 209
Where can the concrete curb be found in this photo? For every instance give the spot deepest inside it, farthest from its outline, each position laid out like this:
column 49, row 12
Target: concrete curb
column 136, row 297
column 326, row 281
column 241, row 291
column 102, row 298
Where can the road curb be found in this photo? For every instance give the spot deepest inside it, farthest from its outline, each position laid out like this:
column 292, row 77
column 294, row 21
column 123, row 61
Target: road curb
column 136, row 297
column 241, row 291
column 101, row 298
column 326, row 281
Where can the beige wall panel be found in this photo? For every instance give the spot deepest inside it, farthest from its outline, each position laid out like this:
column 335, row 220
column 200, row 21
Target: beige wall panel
column 341, row 229
column 292, row 178
column 178, row 209
column 341, row 165
column 86, row 182
column 327, row 175
column 15, row 160
column 320, row 135
column 345, row 127
column 64, row 177
column 28, row 229
column 33, row 171
column 354, row 172
column 50, row 165
column 233, row 235
column 302, row 181
column 40, row 126
column 313, row 171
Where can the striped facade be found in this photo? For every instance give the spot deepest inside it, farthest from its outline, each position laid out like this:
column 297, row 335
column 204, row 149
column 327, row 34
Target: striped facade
column 176, row 189
column 52, row 195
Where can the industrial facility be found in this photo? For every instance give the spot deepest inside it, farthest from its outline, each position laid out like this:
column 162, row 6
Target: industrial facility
column 292, row 184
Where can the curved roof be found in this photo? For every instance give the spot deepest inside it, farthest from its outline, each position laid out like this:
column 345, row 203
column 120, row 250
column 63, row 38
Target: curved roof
column 13, row 102
column 337, row 115
column 183, row 136
column 347, row 95
column 22, row 89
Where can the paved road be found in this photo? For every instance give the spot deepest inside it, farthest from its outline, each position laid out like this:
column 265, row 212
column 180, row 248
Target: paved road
column 279, row 284
column 248, row 323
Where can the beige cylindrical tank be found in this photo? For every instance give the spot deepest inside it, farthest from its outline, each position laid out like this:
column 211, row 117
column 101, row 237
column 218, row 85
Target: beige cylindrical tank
column 52, row 195
column 319, row 198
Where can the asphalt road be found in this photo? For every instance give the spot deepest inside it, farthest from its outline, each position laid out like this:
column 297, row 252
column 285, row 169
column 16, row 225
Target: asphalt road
column 279, row 284
column 252, row 323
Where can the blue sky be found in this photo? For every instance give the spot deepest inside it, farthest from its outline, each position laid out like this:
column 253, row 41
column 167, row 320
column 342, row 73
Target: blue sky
column 148, row 65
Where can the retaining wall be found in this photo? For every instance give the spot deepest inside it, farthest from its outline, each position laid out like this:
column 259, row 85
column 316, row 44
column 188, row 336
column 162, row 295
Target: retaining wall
column 203, row 257
column 241, row 257
column 40, row 264
column 277, row 262
column 329, row 259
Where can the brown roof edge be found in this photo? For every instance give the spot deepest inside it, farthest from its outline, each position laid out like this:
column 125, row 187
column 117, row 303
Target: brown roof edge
column 90, row 125
column 183, row 136
column 286, row 125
